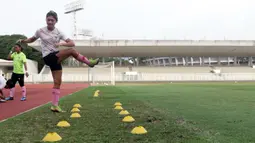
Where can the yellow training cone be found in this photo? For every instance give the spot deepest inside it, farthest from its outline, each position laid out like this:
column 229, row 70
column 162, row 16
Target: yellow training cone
column 75, row 115
column 63, row 124
column 117, row 104
column 139, row 130
column 75, row 110
column 128, row 119
column 124, row 112
column 52, row 137
column 118, row 108
column 96, row 94
column 76, row 106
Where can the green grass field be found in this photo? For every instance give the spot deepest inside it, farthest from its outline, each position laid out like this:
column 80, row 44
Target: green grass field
column 183, row 112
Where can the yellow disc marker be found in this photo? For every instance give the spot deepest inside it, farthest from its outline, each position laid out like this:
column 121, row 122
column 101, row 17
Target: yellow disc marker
column 96, row 94
column 118, row 108
column 76, row 106
column 128, row 119
column 52, row 137
column 75, row 110
column 63, row 124
column 124, row 112
column 139, row 130
column 75, row 115
column 117, row 104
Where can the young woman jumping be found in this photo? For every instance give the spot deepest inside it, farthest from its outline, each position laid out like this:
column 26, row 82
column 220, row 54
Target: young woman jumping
column 50, row 41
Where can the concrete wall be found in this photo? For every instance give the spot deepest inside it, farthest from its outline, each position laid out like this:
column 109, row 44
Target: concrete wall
column 32, row 66
column 3, row 70
column 144, row 74
column 6, row 71
column 149, row 74
column 67, row 70
column 145, row 77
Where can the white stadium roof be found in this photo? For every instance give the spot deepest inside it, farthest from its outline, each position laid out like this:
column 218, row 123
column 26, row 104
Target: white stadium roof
column 161, row 48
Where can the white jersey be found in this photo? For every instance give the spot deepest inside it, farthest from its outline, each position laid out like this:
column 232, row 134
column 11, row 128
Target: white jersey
column 49, row 39
column 2, row 82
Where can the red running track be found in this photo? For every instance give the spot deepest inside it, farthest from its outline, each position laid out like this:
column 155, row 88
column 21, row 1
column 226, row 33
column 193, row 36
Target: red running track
column 37, row 94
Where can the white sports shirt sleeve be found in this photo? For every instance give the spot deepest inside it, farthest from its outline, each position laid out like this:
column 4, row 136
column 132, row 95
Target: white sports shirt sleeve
column 2, row 82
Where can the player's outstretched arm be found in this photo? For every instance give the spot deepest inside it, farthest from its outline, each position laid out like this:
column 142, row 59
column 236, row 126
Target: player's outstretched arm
column 29, row 40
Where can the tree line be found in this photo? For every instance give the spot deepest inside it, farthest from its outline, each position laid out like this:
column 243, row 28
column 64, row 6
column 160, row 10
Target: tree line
column 8, row 41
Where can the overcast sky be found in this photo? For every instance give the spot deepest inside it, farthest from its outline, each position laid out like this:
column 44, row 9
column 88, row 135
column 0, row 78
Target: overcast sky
column 138, row 19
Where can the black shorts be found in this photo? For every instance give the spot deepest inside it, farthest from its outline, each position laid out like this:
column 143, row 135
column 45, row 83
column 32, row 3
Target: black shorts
column 51, row 60
column 17, row 77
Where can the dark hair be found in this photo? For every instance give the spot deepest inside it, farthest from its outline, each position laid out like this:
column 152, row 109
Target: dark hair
column 53, row 14
column 17, row 44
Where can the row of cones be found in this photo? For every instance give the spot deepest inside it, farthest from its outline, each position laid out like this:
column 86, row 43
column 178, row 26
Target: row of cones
column 53, row 136
column 128, row 118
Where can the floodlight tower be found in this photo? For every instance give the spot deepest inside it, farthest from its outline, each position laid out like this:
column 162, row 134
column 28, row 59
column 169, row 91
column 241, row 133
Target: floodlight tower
column 73, row 7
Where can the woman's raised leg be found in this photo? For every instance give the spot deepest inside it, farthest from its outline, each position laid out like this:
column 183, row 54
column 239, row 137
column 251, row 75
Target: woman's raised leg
column 63, row 54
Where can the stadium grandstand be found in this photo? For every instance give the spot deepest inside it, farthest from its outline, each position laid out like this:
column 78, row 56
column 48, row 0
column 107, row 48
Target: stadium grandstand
column 154, row 69
column 197, row 61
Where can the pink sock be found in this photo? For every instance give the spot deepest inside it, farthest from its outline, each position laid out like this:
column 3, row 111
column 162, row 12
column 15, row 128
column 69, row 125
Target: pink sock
column 12, row 91
column 82, row 58
column 24, row 91
column 55, row 96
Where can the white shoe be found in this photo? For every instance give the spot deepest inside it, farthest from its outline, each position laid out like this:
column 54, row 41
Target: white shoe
column 2, row 100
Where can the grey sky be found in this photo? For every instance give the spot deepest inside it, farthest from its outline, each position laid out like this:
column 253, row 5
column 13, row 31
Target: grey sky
column 138, row 19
